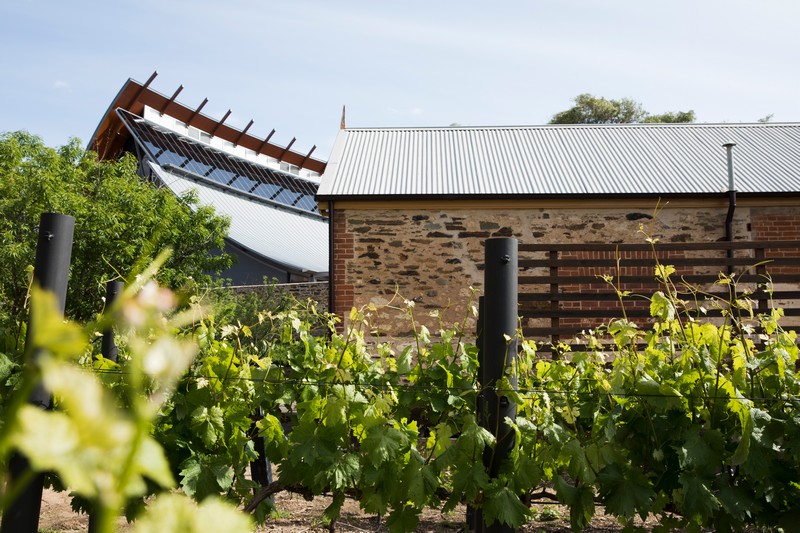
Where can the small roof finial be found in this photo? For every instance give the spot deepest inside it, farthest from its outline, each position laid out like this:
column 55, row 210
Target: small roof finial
column 343, row 124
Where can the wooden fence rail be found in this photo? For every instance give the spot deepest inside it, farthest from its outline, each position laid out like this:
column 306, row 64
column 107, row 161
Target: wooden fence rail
column 567, row 288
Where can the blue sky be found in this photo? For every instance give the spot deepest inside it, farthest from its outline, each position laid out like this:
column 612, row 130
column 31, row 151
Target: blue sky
column 291, row 65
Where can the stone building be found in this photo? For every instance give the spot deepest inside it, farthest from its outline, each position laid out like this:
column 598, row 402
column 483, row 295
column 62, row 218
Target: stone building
column 410, row 208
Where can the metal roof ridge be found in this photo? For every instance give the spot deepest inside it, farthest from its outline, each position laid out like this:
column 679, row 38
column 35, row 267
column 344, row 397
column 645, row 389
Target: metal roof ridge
column 637, row 125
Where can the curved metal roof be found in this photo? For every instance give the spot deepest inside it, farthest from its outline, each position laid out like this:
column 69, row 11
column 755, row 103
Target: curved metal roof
column 629, row 159
column 282, row 236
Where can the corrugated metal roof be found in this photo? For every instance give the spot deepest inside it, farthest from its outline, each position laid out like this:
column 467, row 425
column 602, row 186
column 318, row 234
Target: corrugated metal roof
column 562, row 160
column 291, row 239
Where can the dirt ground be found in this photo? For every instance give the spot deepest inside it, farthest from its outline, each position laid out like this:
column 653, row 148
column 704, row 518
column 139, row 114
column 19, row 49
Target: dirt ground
column 295, row 514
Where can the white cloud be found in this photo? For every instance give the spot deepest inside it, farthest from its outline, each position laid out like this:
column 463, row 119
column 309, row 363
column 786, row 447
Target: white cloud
column 61, row 84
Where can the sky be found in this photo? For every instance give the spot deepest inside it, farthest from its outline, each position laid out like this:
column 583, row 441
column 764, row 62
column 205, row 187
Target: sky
column 291, row 65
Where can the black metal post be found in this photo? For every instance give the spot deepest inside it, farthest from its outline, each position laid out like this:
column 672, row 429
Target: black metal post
column 498, row 346
column 261, row 468
column 51, row 272
column 109, row 347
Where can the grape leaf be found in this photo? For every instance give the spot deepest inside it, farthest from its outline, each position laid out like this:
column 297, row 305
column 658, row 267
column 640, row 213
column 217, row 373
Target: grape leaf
column 404, row 362
column 276, row 445
column 474, row 438
column 382, row 444
column 204, row 476
column 579, row 467
column 698, row 500
column 580, row 500
column 625, row 492
column 468, row 480
column 332, row 511
column 208, row 423
column 502, row 505
column 403, row 519
column 342, row 472
column 418, row 481
column 661, row 307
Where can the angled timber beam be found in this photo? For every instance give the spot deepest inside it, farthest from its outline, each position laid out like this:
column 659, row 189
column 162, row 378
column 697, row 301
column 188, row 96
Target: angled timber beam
column 288, row 146
column 244, row 131
column 263, row 144
column 145, row 86
column 303, row 162
column 171, row 99
column 196, row 111
column 116, row 128
column 212, row 132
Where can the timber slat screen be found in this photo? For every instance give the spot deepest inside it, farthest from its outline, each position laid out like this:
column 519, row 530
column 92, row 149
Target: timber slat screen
column 562, row 290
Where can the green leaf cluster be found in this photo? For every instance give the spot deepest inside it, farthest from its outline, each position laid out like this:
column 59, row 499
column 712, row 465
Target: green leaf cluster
column 97, row 441
column 590, row 109
column 121, row 224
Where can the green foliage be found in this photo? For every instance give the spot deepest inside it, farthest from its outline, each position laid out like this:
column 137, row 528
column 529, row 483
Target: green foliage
column 676, row 424
column 121, row 224
column 695, row 421
column 671, row 427
column 337, row 419
column 171, row 512
column 589, row 109
column 244, row 308
column 100, row 447
column 677, row 117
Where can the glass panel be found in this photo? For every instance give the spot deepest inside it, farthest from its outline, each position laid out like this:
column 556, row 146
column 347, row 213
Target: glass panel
column 307, row 203
column 221, row 176
column 152, row 148
column 291, row 169
column 286, row 197
column 243, row 183
column 171, row 158
column 266, row 190
column 197, row 167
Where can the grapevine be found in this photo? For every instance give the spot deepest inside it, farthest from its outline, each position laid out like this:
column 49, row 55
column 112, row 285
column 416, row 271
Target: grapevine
column 694, row 421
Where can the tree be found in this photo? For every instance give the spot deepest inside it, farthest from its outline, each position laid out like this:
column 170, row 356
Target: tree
column 121, row 223
column 591, row 110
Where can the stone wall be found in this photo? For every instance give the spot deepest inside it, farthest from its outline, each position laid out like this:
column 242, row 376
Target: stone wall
column 316, row 291
column 431, row 252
